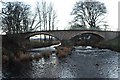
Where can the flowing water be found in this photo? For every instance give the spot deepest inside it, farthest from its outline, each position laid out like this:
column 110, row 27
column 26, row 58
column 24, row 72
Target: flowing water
column 84, row 62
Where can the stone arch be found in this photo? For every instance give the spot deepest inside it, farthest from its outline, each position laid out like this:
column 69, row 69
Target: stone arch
column 86, row 32
column 100, row 36
column 85, row 40
column 37, row 33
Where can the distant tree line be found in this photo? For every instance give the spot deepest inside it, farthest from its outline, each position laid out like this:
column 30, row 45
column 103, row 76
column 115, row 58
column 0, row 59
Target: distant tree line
column 17, row 17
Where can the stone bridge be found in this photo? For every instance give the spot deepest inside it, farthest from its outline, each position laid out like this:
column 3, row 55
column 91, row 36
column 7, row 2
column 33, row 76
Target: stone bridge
column 68, row 34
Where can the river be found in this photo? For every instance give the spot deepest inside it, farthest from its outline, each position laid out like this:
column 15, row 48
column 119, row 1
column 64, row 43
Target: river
column 84, row 62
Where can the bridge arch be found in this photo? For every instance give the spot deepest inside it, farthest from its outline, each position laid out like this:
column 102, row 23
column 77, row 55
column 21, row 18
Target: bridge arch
column 38, row 33
column 87, row 39
column 94, row 33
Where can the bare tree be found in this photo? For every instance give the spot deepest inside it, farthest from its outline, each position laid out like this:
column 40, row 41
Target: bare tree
column 89, row 13
column 45, row 16
column 36, row 21
column 52, row 17
column 50, row 9
column 15, row 17
column 54, row 21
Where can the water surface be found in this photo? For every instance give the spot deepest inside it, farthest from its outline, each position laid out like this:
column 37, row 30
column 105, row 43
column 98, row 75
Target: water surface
column 82, row 63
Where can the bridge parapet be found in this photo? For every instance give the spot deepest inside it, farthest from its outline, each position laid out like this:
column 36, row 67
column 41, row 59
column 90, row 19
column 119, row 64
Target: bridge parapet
column 68, row 34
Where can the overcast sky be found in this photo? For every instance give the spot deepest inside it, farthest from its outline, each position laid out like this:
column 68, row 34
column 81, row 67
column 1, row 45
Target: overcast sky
column 64, row 8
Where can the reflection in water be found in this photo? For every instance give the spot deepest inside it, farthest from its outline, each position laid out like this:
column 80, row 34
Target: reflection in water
column 43, row 61
column 88, row 47
column 53, row 59
column 82, row 63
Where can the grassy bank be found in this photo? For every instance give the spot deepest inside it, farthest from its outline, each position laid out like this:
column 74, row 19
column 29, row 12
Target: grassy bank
column 112, row 44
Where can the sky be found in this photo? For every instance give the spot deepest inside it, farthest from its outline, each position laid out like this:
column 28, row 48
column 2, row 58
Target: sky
column 64, row 9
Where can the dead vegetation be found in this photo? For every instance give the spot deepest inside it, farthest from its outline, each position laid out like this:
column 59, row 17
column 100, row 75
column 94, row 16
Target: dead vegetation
column 63, row 51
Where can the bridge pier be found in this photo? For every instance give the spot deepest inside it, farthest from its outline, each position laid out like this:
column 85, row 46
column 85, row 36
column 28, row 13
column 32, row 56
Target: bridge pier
column 67, row 43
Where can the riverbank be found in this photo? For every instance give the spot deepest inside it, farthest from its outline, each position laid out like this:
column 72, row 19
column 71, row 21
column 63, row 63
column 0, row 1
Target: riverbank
column 112, row 44
column 13, row 51
column 61, row 52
